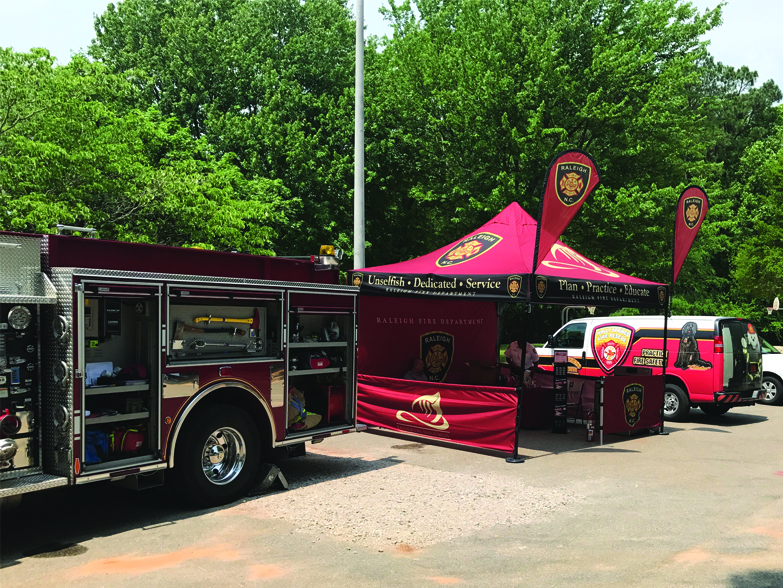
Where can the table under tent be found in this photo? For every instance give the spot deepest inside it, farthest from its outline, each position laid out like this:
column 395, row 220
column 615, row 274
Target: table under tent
column 442, row 308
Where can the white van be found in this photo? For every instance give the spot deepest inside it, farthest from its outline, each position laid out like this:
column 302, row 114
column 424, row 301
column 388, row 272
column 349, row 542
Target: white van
column 772, row 378
column 714, row 362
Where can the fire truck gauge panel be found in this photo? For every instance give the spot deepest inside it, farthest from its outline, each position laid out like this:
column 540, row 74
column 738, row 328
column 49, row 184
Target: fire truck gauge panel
column 19, row 318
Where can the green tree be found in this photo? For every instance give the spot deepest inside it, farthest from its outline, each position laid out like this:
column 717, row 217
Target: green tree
column 489, row 91
column 738, row 112
column 71, row 151
column 758, row 266
column 270, row 81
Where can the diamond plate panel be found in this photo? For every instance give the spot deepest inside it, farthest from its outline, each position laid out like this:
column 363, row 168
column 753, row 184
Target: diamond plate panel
column 20, row 269
column 58, row 442
column 30, row 484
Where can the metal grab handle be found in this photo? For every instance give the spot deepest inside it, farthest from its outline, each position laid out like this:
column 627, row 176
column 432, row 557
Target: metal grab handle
column 61, row 228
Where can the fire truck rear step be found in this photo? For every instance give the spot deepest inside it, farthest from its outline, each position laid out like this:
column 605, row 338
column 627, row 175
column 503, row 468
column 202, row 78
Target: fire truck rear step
column 30, row 484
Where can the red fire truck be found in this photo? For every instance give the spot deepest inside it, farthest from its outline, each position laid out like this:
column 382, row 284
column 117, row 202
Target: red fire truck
column 119, row 361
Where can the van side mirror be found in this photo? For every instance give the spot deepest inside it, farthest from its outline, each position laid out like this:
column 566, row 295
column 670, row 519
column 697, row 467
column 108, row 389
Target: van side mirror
column 550, row 341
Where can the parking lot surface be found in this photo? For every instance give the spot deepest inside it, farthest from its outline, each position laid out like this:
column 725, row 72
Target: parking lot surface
column 700, row 507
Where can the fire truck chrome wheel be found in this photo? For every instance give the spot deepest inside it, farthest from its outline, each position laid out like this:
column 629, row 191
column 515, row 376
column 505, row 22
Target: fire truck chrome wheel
column 224, row 456
column 217, row 455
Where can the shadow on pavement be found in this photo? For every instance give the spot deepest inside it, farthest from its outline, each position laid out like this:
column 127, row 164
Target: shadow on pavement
column 540, row 443
column 730, row 419
column 757, row 579
column 54, row 523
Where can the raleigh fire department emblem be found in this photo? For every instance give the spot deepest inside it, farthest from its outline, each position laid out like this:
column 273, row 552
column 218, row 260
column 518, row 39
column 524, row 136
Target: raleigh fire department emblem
column 514, row 285
column 469, row 248
column 437, row 352
column 661, row 295
column 611, row 345
column 571, row 181
column 428, row 408
column 357, row 279
column 633, row 402
column 540, row 286
column 691, row 210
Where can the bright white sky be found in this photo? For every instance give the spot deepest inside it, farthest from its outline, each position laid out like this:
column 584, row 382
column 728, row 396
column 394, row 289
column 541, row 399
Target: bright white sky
column 749, row 35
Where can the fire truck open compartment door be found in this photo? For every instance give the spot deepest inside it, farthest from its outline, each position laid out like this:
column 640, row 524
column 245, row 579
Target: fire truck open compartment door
column 321, row 364
column 119, row 358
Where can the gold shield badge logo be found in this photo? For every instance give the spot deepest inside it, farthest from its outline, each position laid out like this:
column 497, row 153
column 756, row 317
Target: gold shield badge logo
column 357, row 279
column 469, row 248
column 514, row 285
column 429, row 413
column 691, row 210
column 661, row 295
column 437, row 352
column 571, row 181
column 633, row 403
column 541, row 286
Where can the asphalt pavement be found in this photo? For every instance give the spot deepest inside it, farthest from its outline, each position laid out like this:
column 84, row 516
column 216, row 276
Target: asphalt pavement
column 701, row 507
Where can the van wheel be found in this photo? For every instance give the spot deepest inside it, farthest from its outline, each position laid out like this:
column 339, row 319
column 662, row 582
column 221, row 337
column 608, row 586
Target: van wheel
column 714, row 410
column 675, row 403
column 774, row 390
column 217, row 457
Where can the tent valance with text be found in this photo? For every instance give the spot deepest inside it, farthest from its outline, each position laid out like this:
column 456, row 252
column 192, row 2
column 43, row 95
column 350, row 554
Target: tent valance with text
column 494, row 262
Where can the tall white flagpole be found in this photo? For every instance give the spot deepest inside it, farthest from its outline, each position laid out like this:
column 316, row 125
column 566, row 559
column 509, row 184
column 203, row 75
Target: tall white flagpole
column 358, row 169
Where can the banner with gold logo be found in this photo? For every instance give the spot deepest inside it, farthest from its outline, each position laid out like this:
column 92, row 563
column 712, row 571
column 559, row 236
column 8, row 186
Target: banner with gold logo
column 444, row 334
column 476, row 416
column 632, row 403
column 691, row 210
column 437, row 352
column 571, row 177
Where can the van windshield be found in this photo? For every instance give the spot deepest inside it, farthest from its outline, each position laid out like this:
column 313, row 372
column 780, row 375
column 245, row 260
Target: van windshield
column 571, row 336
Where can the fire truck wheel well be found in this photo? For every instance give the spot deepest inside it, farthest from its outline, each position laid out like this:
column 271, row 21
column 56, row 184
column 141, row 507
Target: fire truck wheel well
column 235, row 395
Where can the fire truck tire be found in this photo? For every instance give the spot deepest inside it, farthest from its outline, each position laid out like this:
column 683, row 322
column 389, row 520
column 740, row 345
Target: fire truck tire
column 773, row 388
column 676, row 403
column 217, row 456
column 714, row 410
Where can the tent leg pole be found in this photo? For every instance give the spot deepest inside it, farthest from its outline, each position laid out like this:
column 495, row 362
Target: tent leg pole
column 665, row 360
column 515, row 457
column 521, row 341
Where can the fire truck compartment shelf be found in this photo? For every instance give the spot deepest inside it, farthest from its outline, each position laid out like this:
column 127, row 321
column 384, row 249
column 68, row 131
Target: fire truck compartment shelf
column 116, row 418
column 30, row 484
column 324, row 344
column 316, row 372
column 94, row 390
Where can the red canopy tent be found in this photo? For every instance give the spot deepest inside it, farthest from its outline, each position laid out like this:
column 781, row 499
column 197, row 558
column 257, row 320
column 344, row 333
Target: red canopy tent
column 494, row 263
column 442, row 308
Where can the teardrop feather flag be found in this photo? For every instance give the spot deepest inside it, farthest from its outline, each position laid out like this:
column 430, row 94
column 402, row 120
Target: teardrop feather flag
column 691, row 210
column 571, row 178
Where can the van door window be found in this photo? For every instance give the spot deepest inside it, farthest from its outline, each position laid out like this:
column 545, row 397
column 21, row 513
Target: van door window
column 767, row 347
column 571, row 336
